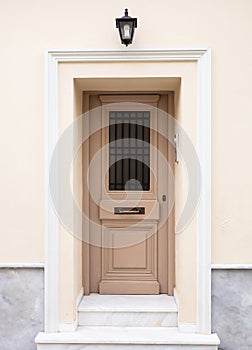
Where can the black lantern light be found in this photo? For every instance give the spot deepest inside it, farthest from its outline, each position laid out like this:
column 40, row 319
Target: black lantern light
column 126, row 26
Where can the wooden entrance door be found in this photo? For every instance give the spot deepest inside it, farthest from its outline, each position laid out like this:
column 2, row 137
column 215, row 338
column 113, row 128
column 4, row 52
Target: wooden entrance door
column 128, row 184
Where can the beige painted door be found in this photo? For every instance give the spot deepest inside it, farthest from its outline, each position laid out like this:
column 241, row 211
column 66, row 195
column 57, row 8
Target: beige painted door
column 132, row 235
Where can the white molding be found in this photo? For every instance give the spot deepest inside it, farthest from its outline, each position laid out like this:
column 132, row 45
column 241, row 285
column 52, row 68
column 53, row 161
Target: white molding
column 204, row 209
column 203, row 58
column 187, row 327
column 68, row 327
column 79, row 297
column 175, row 294
column 146, row 55
column 51, row 222
column 231, row 266
column 72, row 326
column 22, row 265
column 183, row 327
column 78, row 301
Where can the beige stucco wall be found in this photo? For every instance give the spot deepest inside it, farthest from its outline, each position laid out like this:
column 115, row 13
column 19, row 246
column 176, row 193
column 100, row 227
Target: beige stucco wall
column 28, row 28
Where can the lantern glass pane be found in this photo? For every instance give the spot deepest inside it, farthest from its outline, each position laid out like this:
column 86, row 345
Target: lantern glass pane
column 126, row 29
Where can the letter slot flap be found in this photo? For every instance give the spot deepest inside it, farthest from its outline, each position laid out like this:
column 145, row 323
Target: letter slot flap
column 129, row 210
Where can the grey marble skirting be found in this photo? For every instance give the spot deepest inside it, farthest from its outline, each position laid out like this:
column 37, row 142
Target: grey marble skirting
column 232, row 308
column 21, row 307
column 22, row 299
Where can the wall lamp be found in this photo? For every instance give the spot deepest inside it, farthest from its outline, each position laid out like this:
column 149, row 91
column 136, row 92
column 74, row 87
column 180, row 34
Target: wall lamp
column 126, row 26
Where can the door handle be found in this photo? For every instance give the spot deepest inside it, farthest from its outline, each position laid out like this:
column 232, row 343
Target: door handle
column 128, row 210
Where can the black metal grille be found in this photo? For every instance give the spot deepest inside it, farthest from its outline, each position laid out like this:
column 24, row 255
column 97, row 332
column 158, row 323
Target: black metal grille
column 129, row 150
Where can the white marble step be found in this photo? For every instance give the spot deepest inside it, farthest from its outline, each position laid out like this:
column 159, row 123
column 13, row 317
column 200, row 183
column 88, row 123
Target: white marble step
column 128, row 310
column 126, row 338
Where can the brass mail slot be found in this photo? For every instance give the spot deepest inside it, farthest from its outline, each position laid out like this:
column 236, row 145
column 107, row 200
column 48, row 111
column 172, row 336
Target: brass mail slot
column 129, row 210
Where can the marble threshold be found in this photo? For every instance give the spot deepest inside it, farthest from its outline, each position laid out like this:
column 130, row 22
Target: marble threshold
column 126, row 336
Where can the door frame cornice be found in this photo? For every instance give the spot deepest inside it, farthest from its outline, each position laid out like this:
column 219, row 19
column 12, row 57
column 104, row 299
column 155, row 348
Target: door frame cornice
column 203, row 58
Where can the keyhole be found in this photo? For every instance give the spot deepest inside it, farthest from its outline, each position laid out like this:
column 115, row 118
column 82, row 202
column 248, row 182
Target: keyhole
column 163, row 197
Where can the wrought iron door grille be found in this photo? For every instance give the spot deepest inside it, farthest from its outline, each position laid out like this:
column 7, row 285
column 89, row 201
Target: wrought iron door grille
column 129, row 150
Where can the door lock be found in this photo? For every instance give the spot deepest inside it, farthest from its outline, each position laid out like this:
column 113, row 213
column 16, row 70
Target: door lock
column 163, row 197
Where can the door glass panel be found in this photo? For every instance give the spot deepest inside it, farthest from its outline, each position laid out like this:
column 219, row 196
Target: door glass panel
column 129, row 150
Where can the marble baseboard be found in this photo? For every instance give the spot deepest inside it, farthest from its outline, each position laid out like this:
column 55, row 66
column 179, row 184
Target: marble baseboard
column 232, row 308
column 21, row 307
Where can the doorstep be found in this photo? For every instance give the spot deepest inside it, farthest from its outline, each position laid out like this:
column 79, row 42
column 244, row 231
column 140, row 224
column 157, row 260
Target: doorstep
column 128, row 310
column 120, row 338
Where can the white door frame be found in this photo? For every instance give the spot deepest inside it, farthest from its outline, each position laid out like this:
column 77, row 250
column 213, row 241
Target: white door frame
column 203, row 58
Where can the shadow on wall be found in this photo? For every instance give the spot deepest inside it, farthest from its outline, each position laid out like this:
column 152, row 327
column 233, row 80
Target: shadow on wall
column 232, row 308
column 21, row 307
